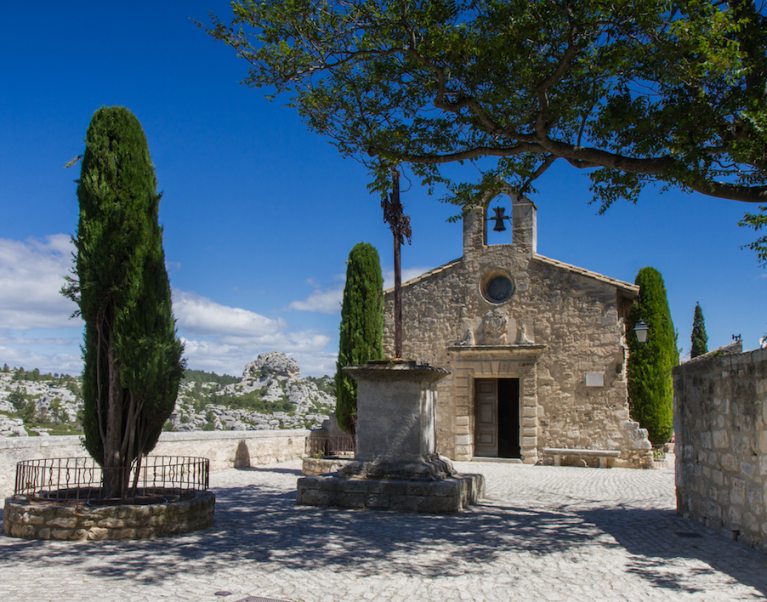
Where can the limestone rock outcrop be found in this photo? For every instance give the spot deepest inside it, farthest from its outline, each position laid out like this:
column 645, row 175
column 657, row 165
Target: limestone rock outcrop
column 270, row 395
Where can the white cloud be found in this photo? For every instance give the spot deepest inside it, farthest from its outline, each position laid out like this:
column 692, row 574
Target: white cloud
column 199, row 315
column 36, row 330
column 328, row 301
column 230, row 355
column 32, row 273
column 407, row 274
column 48, row 355
column 222, row 338
column 321, row 301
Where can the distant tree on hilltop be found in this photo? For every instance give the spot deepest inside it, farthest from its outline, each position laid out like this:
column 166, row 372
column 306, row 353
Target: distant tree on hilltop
column 361, row 332
column 201, row 376
column 699, row 338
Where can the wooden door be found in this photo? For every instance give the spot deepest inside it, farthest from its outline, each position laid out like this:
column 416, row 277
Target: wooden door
column 486, row 403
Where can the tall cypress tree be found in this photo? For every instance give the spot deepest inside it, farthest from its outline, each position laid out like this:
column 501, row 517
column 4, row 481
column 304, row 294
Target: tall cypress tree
column 649, row 365
column 361, row 332
column 132, row 358
column 699, row 337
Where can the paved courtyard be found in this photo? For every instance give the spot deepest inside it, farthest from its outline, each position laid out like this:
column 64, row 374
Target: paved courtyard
column 542, row 533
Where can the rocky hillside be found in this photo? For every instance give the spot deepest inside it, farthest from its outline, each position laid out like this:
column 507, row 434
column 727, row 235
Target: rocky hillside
column 270, row 395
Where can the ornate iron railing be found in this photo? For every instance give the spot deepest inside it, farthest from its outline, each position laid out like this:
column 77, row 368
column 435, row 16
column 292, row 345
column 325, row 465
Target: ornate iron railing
column 81, row 479
column 324, row 445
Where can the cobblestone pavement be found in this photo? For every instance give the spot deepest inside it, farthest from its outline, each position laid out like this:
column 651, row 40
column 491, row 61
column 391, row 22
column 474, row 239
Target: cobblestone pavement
column 542, row 533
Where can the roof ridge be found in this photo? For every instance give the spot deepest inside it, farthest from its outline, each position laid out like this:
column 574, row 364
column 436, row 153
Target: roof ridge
column 584, row 272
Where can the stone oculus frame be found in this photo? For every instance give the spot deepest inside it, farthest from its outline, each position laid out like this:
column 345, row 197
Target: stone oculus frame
column 544, row 341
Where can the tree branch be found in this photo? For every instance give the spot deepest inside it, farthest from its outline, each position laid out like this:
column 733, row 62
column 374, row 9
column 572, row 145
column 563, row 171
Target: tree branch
column 542, row 89
column 464, row 155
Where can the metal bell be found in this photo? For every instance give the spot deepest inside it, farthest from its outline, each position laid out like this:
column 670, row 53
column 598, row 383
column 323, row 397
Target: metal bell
column 499, row 217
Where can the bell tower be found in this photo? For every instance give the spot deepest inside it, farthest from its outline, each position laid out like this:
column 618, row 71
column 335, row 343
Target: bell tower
column 477, row 220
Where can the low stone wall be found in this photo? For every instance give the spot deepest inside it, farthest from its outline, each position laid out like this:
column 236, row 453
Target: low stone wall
column 224, row 449
column 52, row 520
column 721, row 442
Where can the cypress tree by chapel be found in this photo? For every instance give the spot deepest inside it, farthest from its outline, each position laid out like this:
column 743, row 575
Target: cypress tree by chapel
column 699, row 337
column 361, row 332
column 650, row 385
column 132, row 357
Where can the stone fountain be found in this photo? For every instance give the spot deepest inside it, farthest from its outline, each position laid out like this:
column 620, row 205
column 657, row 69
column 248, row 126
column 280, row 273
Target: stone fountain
column 396, row 465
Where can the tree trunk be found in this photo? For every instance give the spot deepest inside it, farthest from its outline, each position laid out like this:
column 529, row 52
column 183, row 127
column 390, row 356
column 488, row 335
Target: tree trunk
column 397, row 267
column 116, row 475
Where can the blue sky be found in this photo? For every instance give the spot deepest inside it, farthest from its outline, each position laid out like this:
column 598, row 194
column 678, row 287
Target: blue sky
column 259, row 214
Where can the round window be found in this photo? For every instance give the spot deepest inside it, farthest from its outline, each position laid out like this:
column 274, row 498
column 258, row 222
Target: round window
column 499, row 289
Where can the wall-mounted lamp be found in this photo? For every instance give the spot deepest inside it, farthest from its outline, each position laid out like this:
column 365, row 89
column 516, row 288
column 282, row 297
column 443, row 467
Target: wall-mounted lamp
column 640, row 330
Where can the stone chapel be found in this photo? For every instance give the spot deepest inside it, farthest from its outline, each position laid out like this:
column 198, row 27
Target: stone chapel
column 535, row 348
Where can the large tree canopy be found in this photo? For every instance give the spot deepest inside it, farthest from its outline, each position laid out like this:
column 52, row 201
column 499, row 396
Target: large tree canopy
column 634, row 91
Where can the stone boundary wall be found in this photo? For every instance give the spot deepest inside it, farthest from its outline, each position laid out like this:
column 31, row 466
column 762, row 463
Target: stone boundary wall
column 224, row 449
column 720, row 420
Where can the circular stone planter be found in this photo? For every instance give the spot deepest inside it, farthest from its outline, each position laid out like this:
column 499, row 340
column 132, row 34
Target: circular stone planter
column 45, row 519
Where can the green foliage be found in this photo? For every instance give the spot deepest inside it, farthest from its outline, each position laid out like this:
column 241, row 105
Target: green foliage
column 210, row 421
column 55, row 428
column 74, row 386
column 25, row 406
column 132, row 358
column 17, row 398
column 65, row 380
column 634, row 91
column 699, row 337
column 361, row 331
column 201, row 376
column 325, row 384
column 650, row 383
column 757, row 221
column 252, row 401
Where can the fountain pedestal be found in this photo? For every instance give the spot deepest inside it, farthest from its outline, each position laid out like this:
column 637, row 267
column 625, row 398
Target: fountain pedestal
column 396, row 465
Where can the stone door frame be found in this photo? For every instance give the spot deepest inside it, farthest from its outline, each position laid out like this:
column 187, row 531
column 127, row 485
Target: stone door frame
column 494, row 361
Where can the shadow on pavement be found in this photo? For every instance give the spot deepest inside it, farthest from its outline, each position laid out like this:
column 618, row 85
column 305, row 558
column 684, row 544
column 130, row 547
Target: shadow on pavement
column 653, row 537
column 263, row 525
column 275, row 470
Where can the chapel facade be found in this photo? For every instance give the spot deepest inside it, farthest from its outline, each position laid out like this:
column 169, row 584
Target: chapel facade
column 535, row 347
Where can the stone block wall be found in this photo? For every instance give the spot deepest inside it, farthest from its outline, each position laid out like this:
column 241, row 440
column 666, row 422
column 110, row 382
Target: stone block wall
column 720, row 420
column 224, row 449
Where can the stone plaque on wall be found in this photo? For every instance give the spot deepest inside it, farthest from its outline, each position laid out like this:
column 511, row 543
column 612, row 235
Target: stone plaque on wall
column 595, row 379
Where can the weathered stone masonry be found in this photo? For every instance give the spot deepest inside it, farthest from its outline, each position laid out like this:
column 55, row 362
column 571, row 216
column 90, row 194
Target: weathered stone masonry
column 41, row 520
column 560, row 334
column 720, row 417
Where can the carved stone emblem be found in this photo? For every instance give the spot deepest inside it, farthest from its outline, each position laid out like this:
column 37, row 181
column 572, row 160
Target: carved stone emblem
column 494, row 328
